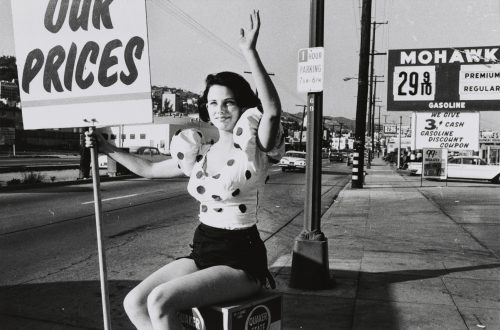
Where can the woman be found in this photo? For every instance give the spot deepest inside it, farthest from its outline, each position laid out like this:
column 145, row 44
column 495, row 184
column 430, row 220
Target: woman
column 228, row 260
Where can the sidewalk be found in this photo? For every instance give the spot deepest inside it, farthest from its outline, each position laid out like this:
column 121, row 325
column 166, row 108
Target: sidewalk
column 398, row 262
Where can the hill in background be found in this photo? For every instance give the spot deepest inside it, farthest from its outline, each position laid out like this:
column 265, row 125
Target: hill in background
column 331, row 123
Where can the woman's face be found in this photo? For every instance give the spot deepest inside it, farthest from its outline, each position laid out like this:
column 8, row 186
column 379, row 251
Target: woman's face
column 222, row 107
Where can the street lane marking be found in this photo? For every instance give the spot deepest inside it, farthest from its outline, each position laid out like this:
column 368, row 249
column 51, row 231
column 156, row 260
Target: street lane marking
column 111, row 198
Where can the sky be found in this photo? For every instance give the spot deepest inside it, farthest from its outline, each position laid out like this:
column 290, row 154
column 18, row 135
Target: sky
column 189, row 39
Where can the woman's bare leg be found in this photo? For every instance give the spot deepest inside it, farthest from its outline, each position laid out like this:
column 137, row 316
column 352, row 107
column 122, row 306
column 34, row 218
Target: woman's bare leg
column 201, row 288
column 135, row 302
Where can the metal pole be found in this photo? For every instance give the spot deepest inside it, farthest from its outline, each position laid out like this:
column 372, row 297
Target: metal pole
column 102, row 256
column 372, row 119
column 310, row 269
column 399, row 147
column 302, row 126
column 314, row 133
column 359, row 143
column 371, row 95
column 340, row 135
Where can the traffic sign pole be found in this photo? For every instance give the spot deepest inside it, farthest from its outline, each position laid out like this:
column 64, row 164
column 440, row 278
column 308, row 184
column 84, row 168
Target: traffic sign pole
column 310, row 269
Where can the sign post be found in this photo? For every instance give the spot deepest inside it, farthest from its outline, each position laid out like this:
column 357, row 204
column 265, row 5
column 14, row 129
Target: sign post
column 310, row 269
column 83, row 64
column 103, row 273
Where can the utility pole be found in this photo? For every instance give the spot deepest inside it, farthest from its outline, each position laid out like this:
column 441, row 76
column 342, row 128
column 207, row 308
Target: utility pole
column 372, row 118
column 359, row 139
column 340, row 133
column 310, row 268
column 372, row 93
column 302, row 124
column 399, row 147
column 378, row 131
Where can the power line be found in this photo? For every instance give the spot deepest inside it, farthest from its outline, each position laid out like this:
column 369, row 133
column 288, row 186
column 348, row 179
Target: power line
column 169, row 8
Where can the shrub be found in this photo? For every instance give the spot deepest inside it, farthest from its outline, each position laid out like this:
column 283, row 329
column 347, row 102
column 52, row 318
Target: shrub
column 33, row 177
column 13, row 182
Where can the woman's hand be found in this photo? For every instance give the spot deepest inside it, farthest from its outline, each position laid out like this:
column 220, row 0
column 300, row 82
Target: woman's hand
column 94, row 139
column 248, row 39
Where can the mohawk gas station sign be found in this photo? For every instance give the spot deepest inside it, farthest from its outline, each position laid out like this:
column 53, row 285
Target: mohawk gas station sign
column 444, row 79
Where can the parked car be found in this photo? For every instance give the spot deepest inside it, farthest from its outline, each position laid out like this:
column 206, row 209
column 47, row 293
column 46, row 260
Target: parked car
column 415, row 168
column 464, row 167
column 293, row 160
column 472, row 167
column 336, row 156
column 145, row 152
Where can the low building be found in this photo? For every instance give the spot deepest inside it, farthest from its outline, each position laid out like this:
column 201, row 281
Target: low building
column 9, row 91
column 158, row 134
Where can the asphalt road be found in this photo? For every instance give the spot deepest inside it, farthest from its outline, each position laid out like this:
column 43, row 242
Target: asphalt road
column 51, row 268
column 48, row 234
column 38, row 161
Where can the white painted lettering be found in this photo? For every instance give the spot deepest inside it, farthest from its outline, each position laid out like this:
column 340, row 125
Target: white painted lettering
column 489, row 55
column 456, row 57
column 408, row 58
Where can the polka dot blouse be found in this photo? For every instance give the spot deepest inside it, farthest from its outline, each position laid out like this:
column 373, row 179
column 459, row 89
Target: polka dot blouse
column 227, row 199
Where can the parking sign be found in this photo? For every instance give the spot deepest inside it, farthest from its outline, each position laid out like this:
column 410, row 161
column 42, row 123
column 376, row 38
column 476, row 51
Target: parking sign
column 310, row 70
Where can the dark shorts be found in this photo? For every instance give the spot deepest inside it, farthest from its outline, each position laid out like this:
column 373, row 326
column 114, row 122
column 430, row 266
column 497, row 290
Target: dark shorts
column 240, row 249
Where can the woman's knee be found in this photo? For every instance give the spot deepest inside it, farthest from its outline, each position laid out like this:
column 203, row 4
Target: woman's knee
column 135, row 302
column 162, row 300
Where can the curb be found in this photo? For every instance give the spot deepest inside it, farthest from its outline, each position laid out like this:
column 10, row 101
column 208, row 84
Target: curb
column 27, row 168
column 65, row 183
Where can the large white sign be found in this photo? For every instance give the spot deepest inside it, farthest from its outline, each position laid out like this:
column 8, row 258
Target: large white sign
column 310, row 70
column 80, row 61
column 447, row 130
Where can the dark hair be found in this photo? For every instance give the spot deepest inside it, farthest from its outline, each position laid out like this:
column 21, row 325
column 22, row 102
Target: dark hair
column 244, row 96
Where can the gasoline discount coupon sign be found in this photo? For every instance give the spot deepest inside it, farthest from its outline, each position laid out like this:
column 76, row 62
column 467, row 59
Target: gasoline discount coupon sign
column 310, row 73
column 444, row 79
column 80, row 61
column 447, row 130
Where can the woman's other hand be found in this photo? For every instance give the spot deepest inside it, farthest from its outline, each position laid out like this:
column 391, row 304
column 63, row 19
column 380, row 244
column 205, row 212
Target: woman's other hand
column 248, row 38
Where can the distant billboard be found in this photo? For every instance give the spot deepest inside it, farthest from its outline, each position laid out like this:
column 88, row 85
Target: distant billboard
column 444, row 79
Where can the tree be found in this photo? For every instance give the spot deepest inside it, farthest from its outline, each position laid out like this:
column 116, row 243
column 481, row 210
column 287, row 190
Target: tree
column 167, row 107
column 8, row 68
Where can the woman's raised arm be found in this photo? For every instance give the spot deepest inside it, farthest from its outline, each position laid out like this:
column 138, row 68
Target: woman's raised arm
column 269, row 124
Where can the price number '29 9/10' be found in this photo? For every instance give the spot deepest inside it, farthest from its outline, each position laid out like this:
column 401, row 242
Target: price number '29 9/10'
column 414, row 83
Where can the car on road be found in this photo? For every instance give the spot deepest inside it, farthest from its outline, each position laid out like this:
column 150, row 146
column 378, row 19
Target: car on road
column 293, row 160
column 472, row 167
column 336, row 156
column 150, row 153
